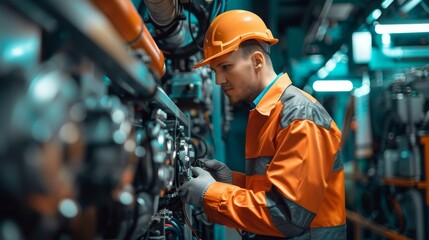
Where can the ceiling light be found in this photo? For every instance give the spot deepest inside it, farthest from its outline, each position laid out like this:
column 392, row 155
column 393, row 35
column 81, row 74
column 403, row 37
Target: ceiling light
column 386, row 3
column 402, row 28
column 409, row 5
column 330, row 65
column 374, row 16
column 332, row 86
column 322, row 73
column 362, row 47
column 386, row 39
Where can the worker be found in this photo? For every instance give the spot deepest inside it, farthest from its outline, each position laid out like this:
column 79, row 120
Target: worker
column 293, row 187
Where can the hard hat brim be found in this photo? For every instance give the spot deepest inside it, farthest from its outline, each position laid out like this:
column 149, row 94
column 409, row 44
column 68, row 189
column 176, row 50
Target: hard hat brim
column 228, row 50
column 208, row 60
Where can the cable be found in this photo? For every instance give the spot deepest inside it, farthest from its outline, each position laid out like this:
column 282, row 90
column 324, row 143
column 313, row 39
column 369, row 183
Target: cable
column 190, row 28
column 216, row 9
column 184, row 52
column 173, row 222
column 176, row 165
column 133, row 227
column 202, row 217
column 212, row 136
column 175, row 134
column 219, row 9
column 213, row 9
column 188, row 223
column 146, row 235
column 399, row 213
column 196, row 150
column 203, row 144
column 225, row 3
column 172, row 229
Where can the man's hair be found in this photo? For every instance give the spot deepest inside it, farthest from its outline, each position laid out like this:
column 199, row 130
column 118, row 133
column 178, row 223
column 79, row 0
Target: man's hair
column 250, row 46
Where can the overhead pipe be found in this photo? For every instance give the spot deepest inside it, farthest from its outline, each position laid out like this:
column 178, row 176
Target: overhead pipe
column 318, row 29
column 172, row 32
column 165, row 15
column 162, row 12
column 129, row 24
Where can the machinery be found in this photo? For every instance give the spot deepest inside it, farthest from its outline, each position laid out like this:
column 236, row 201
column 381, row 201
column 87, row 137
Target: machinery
column 102, row 117
column 391, row 188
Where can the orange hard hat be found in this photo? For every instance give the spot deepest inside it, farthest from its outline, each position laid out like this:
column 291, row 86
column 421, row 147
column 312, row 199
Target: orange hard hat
column 231, row 28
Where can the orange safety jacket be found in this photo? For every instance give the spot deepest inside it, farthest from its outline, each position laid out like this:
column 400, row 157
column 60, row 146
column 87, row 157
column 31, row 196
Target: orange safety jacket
column 294, row 182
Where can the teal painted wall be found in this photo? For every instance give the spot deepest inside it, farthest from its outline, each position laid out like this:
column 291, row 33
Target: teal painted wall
column 239, row 4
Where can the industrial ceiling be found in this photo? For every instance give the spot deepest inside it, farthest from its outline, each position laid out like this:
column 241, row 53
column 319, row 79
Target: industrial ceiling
column 312, row 31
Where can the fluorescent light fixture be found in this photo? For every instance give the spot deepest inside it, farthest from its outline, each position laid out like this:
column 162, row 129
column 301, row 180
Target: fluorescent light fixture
column 332, row 86
column 386, row 39
column 373, row 16
column 362, row 91
column 409, row 5
column 17, row 52
column 376, row 14
column 322, row 73
column 386, row 3
column 316, row 59
column 402, row 28
column 330, row 65
column 405, row 52
column 365, row 88
column 338, row 57
column 46, row 87
column 362, row 47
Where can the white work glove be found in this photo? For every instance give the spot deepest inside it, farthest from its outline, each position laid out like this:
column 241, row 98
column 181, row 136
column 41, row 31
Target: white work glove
column 192, row 191
column 218, row 170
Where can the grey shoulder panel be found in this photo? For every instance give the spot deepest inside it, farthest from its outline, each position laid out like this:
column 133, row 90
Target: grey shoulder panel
column 297, row 106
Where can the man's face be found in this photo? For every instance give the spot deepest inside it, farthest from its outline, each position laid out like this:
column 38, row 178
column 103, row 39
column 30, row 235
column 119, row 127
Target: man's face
column 236, row 75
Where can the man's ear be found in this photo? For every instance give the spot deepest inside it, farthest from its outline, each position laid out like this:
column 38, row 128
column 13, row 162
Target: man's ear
column 258, row 60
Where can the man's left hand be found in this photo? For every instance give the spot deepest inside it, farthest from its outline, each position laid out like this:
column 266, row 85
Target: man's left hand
column 192, row 191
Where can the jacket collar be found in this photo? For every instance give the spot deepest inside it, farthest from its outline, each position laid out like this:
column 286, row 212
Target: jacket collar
column 272, row 96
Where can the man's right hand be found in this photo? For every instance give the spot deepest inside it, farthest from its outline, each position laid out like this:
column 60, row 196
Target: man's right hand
column 218, row 170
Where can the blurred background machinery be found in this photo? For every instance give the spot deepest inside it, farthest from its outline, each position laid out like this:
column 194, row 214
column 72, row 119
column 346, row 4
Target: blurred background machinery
column 102, row 113
column 102, row 118
column 388, row 172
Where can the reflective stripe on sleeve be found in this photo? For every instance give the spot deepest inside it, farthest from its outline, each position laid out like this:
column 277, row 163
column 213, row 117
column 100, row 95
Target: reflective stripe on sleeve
column 257, row 165
column 338, row 163
column 289, row 218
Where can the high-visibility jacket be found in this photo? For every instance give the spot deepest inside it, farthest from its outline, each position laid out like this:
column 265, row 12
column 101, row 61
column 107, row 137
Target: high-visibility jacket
column 294, row 181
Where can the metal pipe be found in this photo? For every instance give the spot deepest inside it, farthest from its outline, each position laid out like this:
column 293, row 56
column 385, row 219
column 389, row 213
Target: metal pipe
column 315, row 30
column 127, row 21
column 173, row 31
column 162, row 12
